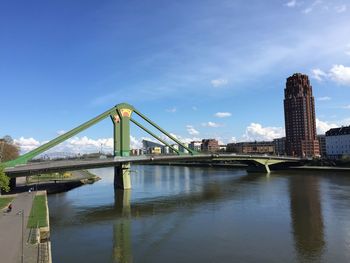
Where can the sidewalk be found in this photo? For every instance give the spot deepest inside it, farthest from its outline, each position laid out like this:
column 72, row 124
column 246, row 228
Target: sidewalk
column 11, row 229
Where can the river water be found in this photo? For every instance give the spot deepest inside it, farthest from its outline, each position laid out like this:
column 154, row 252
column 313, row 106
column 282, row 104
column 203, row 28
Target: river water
column 187, row 214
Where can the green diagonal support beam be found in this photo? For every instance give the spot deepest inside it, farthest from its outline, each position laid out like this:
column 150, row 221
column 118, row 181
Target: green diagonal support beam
column 155, row 136
column 30, row 155
column 164, row 132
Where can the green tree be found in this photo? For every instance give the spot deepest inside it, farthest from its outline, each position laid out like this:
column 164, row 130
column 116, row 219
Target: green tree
column 4, row 180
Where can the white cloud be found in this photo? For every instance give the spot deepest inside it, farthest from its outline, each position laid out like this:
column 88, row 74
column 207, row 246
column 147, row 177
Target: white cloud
column 291, row 3
column 347, row 107
column 323, row 126
column 135, row 143
column 27, row 144
column 320, row 5
column 222, row 114
column 318, row 74
column 233, row 139
column 340, row 74
column 172, row 110
column 324, row 98
column 211, row 124
column 344, row 122
column 180, row 138
column 340, row 9
column 76, row 145
column 313, row 5
column 256, row 132
column 191, row 130
column 219, row 82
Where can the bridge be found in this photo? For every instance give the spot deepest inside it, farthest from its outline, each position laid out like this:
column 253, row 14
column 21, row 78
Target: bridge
column 120, row 116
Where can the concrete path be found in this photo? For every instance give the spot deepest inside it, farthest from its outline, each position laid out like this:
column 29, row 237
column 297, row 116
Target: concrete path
column 11, row 228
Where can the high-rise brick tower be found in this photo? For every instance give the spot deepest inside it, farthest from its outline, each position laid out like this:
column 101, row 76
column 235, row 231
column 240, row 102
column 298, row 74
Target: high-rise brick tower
column 299, row 116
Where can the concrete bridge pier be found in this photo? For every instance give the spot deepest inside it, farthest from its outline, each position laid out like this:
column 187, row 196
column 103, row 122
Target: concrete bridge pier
column 122, row 176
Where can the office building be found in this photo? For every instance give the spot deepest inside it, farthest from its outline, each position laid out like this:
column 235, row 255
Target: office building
column 300, row 121
column 252, row 147
column 195, row 145
column 210, row 145
column 280, row 146
column 338, row 142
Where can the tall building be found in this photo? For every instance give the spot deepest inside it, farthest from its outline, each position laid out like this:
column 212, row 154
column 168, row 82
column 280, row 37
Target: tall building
column 299, row 115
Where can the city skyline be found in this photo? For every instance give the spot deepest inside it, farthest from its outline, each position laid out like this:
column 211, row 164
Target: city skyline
column 208, row 68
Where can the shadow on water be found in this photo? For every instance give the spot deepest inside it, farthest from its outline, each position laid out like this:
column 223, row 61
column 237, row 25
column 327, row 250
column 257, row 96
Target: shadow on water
column 122, row 245
column 306, row 215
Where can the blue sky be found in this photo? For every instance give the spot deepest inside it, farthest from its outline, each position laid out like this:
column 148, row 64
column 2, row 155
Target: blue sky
column 178, row 62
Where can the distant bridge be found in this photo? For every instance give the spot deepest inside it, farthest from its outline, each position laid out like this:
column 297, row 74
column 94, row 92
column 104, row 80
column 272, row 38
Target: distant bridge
column 121, row 116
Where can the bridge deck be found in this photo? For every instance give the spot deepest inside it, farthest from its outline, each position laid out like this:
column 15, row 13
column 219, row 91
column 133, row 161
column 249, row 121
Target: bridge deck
column 65, row 165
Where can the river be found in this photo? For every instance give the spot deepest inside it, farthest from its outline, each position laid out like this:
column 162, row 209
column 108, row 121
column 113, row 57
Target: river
column 188, row 214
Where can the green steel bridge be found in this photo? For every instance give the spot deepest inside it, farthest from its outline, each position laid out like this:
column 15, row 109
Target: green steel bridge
column 121, row 116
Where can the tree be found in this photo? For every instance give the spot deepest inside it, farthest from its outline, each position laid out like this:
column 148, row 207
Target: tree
column 8, row 150
column 4, row 180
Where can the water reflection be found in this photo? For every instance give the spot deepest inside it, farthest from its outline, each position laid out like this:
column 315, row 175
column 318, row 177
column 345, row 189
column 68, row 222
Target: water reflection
column 181, row 214
column 122, row 250
column 124, row 211
column 210, row 192
column 306, row 214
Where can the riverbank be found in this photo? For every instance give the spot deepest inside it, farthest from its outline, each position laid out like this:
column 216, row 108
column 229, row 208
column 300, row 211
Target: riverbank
column 38, row 226
column 320, row 168
column 54, row 184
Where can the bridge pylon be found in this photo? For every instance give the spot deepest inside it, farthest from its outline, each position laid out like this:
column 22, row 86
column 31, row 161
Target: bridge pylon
column 121, row 147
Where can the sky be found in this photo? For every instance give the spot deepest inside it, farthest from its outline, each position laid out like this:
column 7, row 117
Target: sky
column 198, row 68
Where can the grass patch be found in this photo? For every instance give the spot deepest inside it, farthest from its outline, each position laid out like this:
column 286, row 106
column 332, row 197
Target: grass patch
column 38, row 213
column 4, row 201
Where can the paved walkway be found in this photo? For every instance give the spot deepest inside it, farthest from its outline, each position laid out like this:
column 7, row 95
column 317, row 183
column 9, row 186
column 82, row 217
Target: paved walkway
column 11, row 229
